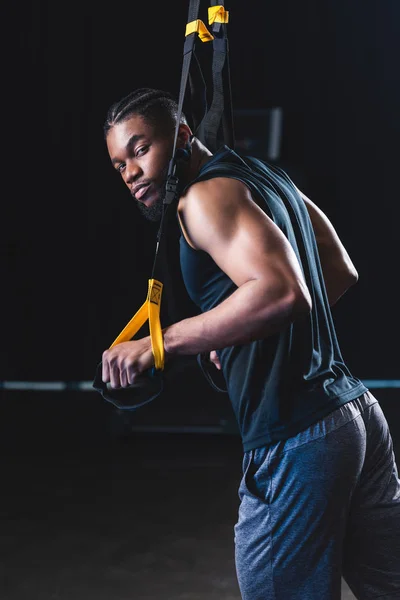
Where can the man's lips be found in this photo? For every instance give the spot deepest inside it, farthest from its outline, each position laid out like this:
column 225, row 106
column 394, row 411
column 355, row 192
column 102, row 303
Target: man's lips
column 139, row 192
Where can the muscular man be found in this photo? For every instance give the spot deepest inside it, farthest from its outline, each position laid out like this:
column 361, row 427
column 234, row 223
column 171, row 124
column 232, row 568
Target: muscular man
column 320, row 494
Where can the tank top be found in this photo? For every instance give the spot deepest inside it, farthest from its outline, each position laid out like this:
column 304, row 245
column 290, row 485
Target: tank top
column 284, row 383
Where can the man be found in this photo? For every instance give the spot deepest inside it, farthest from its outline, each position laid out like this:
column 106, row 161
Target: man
column 320, row 494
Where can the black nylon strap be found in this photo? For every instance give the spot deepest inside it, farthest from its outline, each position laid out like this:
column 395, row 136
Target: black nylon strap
column 217, row 124
column 171, row 186
column 212, row 124
column 188, row 50
column 198, row 97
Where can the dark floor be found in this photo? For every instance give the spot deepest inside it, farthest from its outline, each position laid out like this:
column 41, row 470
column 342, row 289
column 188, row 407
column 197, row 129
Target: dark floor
column 95, row 512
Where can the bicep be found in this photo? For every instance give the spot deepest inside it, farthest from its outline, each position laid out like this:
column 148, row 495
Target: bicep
column 223, row 220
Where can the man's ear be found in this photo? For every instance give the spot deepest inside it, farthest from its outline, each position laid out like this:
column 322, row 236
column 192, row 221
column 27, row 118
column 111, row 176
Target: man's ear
column 183, row 151
column 185, row 136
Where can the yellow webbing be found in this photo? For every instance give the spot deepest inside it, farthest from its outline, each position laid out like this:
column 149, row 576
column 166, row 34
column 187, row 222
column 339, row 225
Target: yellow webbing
column 150, row 309
column 198, row 26
column 217, row 14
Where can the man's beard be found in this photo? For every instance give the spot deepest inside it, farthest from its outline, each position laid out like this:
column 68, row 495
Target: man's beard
column 154, row 213
column 151, row 213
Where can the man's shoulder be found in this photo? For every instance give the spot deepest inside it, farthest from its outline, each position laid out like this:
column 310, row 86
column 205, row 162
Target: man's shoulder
column 220, row 186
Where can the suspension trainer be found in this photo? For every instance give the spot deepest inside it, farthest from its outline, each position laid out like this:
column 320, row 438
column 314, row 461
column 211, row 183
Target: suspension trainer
column 212, row 125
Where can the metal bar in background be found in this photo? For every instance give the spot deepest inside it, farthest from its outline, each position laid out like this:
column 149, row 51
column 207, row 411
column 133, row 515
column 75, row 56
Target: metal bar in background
column 87, row 386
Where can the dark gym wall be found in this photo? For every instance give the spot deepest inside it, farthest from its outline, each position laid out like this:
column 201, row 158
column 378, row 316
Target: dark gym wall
column 77, row 254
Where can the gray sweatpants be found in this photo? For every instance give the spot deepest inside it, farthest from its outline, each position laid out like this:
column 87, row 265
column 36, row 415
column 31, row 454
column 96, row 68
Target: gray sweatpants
column 322, row 505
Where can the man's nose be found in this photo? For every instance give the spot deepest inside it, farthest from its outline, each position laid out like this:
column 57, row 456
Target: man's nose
column 132, row 171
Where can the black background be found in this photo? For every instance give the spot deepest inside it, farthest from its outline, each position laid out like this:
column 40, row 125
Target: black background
column 152, row 514
column 77, row 253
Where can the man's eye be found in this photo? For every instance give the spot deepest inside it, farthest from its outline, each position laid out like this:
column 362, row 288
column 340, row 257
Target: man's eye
column 121, row 167
column 141, row 150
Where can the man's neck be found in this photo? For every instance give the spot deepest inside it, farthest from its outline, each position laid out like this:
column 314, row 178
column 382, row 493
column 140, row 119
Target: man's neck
column 200, row 155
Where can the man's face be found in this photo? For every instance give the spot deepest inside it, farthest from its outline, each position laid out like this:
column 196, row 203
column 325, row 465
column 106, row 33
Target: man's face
column 141, row 156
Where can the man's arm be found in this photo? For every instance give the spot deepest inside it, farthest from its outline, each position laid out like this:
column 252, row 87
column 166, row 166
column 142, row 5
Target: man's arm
column 338, row 270
column 337, row 267
column 219, row 217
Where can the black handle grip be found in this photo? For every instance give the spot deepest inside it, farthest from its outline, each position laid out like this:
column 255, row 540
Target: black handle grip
column 211, row 373
column 144, row 390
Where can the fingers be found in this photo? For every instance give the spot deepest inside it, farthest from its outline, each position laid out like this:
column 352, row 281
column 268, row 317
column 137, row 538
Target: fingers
column 120, row 367
column 118, row 377
column 113, row 372
column 214, row 359
column 105, row 370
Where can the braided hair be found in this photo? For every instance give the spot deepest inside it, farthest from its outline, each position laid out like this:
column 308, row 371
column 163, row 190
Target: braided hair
column 157, row 108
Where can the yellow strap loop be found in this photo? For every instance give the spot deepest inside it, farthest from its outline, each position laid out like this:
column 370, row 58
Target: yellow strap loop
column 199, row 27
column 217, row 14
column 150, row 309
column 154, row 302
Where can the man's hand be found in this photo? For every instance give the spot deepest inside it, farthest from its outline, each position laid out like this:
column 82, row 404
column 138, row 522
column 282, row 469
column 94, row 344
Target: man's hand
column 125, row 362
column 214, row 359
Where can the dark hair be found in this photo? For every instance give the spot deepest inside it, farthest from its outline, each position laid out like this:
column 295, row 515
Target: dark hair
column 157, row 107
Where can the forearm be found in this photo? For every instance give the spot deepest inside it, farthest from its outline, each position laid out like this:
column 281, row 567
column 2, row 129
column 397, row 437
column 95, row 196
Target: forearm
column 250, row 313
column 338, row 269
